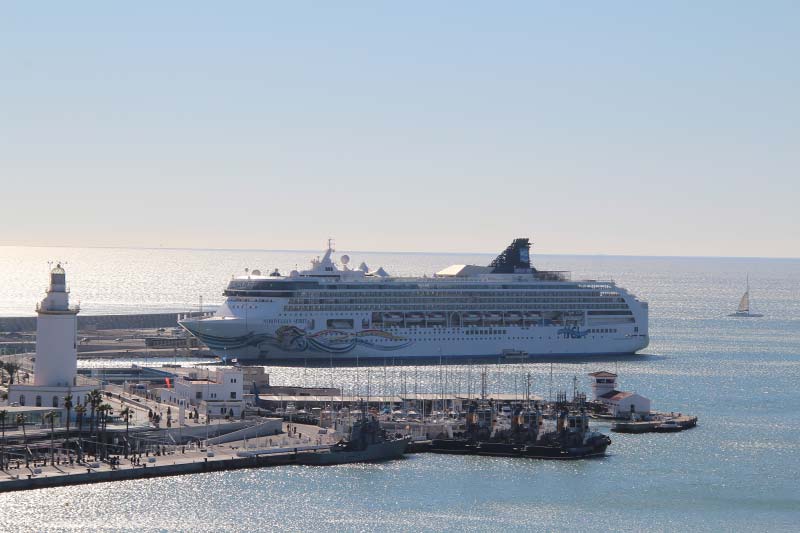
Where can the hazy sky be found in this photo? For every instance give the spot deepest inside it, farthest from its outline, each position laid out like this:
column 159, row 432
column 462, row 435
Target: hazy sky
column 666, row 128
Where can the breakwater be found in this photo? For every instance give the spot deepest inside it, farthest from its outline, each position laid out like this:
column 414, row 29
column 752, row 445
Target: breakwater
column 99, row 322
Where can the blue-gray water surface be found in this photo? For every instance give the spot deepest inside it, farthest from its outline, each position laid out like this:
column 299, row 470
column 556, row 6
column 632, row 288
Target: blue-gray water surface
column 738, row 470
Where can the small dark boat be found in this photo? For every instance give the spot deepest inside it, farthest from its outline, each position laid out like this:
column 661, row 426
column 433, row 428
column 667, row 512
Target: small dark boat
column 593, row 446
column 669, row 426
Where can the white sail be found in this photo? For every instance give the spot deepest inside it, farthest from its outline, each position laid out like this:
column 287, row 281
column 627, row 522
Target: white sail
column 744, row 303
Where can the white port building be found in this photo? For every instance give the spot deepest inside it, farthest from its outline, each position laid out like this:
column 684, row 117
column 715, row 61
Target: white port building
column 619, row 403
column 218, row 392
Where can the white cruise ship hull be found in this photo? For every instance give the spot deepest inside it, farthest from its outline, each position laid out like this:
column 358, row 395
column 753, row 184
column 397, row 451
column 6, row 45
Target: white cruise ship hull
column 228, row 339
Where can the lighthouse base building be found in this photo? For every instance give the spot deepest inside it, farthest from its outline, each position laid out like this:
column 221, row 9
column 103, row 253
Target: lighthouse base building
column 56, row 366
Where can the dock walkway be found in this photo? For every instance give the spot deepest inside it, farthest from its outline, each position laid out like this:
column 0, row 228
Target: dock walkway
column 253, row 453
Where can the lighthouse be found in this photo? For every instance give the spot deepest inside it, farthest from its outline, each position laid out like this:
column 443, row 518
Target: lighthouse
column 56, row 367
column 56, row 335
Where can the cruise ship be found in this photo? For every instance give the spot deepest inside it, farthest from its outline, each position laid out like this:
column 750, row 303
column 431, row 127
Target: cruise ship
column 507, row 309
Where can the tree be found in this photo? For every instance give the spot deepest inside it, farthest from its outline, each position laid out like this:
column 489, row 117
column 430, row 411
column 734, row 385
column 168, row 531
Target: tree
column 126, row 415
column 80, row 411
column 95, row 399
column 3, row 415
column 51, row 417
column 12, row 369
column 68, row 407
column 21, row 422
column 104, row 410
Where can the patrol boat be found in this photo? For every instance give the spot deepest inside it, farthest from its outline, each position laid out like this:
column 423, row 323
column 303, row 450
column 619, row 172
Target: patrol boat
column 367, row 442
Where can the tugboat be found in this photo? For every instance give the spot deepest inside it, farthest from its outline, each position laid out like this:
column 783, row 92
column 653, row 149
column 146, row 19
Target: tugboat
column 367, row 442
column 571, row 439
column 479, row 427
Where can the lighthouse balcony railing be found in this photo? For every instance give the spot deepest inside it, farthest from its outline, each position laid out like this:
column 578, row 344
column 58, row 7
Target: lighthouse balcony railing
column 47, row 289
column 71, row 309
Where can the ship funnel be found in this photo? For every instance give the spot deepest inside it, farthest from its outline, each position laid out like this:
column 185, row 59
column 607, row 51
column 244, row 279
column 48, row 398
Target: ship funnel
column 514, row 259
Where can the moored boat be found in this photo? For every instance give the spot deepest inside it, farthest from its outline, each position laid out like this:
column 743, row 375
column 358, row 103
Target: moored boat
column 332, row 312
column 525, row 437
column 366, row 442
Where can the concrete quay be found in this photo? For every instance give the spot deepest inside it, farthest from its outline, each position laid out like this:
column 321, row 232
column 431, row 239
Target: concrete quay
column 652, row 425
column 277, row 450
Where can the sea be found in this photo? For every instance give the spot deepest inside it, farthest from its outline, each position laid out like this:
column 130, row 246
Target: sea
column 738, row 470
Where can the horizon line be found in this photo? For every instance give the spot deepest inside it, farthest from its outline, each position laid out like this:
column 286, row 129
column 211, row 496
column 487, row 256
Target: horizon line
column 412, row 252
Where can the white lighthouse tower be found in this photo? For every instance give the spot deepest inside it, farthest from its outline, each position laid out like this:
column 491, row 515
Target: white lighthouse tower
column 56, row 335
column 56, row 366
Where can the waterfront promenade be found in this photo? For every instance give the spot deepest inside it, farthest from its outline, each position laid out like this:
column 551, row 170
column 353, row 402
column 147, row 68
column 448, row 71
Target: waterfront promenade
column 281, row 449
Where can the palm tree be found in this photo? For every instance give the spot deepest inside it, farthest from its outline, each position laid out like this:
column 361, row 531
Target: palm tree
column 105, row 410
column 126, row 415
column 99, row 410
column 12, row 369
column 80, row 411
column 21, row 422
column 95, row 399
column 3, row 415
column 51, row 417
column 68, row 407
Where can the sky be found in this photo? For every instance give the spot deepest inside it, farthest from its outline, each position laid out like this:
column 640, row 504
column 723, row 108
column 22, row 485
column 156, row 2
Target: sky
column 633, row 128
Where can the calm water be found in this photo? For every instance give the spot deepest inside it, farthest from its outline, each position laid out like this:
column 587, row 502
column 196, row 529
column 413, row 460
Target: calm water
column 736, row 471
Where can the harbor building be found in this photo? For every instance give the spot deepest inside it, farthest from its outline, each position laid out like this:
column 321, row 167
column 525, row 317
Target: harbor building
column 218, row 392
column 56, row 364
column 619, row 403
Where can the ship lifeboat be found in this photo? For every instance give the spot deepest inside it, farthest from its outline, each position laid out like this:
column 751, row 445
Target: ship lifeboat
column 492, row 318
column 414, row 318
column 435, row 318
column 532, row 315
column 392, row 318
column 471, row 318
column 513, row 317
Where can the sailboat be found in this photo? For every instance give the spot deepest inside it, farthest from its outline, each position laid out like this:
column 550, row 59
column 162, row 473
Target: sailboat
column 744, row 305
